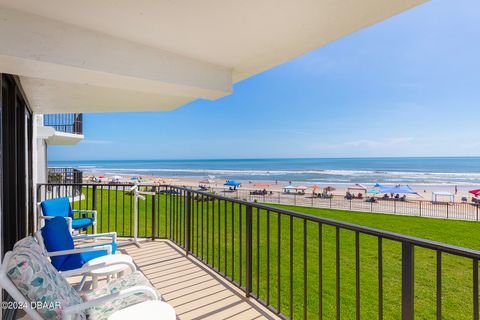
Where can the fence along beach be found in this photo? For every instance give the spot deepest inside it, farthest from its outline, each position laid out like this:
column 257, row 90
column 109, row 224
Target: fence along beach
column 425, row 175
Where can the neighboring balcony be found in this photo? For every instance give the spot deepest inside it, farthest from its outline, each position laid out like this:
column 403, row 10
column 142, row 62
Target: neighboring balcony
column 64, row 182
column 64, row 175
column 67, row 128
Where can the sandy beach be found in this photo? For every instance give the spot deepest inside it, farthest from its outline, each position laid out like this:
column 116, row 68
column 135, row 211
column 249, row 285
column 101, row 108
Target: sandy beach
column 424, row 190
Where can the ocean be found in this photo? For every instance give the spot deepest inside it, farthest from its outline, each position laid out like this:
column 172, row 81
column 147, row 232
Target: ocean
column 414, row 170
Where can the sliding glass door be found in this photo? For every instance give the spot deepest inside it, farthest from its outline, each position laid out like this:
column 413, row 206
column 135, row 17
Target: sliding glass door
column 16, row 163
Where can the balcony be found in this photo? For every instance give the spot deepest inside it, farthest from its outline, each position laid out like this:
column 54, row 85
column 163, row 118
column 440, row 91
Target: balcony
column 67, row 128
column 68, row 123
column 292, row 264
column 195, row 291
column 64, row 175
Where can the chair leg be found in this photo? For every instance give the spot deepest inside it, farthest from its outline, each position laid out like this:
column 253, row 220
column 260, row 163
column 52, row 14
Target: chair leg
column 82, row 283
column 94, row 282
column 95, row 231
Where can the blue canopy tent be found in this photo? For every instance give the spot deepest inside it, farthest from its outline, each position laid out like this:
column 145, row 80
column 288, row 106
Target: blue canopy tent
column 232, row 183
column 397, row 189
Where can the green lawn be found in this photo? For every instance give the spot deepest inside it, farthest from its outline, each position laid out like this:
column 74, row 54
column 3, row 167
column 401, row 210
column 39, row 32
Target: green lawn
column 115, row 207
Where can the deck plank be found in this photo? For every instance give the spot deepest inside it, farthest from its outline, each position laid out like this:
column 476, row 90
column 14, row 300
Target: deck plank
column 194, row 291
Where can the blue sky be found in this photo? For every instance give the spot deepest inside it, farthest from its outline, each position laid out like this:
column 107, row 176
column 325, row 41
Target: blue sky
column 409, row 86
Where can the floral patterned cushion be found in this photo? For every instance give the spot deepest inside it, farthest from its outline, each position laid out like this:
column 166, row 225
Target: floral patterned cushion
column 36, row 278
column 31, row 244
column 103, row 312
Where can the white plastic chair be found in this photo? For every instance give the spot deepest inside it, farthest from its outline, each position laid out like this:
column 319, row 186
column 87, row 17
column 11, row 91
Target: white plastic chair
column 72, row 307
column 42, row 218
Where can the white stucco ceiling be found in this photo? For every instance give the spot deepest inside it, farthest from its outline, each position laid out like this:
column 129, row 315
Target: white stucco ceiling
column 186, row 49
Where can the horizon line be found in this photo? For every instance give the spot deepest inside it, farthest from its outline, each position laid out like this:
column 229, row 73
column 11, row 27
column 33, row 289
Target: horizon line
column 271, row 158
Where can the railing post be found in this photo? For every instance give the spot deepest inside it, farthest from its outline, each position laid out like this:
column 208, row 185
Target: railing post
column 80, row 119
column 407, row 281
column 477, row 211
column 188, row 215
column 420, row 202
column 295, row 199
column 35, row 207
column 248, row 258
column 154, row 210
column 94, row 197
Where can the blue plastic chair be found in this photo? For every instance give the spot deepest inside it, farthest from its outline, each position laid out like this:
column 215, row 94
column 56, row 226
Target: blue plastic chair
column 60, row 207
column 58, row 242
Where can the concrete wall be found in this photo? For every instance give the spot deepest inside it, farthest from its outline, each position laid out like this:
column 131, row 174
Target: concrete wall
column 42, row 161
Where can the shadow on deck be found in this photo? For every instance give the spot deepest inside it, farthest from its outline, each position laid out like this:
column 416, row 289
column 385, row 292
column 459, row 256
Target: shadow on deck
column 194, row 291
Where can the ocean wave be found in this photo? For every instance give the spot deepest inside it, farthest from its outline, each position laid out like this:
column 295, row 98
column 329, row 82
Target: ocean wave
column 247, row 172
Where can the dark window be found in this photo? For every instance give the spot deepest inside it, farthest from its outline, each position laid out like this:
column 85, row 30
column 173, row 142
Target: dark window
column 16, row 156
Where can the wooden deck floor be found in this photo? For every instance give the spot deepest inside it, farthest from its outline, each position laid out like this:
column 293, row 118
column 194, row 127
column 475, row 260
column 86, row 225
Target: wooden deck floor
column 194, row 291
column 191, row 288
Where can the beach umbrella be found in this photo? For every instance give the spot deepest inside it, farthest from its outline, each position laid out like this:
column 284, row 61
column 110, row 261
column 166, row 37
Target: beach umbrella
column 262, row 185
column 301, row 188
column 315, row 187
column 475, row 192
column 289, row 187
column 373, row 191
column 329, row 189
column 117, row 177
column 134, row 178
column 101, row 177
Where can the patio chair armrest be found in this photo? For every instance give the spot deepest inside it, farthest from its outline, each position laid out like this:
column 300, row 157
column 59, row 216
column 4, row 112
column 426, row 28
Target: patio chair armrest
column 84, row 211
column 70, row 311
column 105, row 247
column 69, row 221
column 112, row 235
column 102, row 246
column 87, row 269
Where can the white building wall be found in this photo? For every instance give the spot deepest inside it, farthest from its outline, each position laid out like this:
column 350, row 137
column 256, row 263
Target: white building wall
column 42, row 161
column 40, row 150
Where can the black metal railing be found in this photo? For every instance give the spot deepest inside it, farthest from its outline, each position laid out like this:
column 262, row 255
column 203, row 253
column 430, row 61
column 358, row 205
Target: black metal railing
column 68, row 122
column 297, row 265
column 64, row 175
column 421, row 208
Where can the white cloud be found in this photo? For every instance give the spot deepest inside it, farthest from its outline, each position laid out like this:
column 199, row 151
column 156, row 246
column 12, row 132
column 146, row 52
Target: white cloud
column 379, row 143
